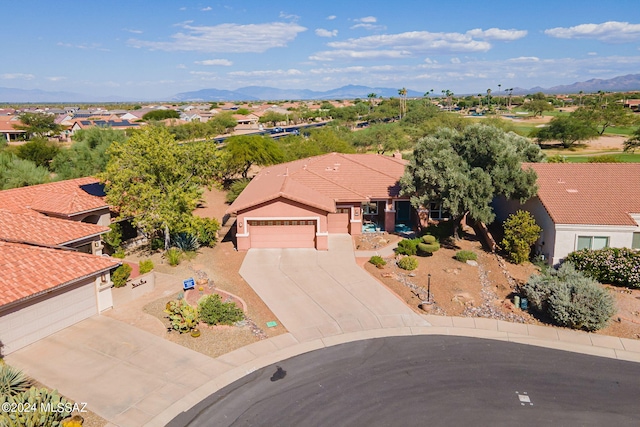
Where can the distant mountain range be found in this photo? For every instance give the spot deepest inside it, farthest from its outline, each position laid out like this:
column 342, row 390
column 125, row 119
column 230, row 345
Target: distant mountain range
column 262, row 93
column 629, row 82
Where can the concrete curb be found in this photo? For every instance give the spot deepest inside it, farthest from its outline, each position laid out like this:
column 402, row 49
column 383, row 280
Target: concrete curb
column 264, row 353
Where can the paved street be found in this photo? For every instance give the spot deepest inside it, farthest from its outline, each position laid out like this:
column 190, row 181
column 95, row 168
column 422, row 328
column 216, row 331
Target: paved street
column 429, row 380
column 317, row 294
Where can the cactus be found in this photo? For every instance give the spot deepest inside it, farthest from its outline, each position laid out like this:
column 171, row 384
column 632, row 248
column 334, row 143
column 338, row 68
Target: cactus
column 182, row 315
column 48, row 408
column 13, row 381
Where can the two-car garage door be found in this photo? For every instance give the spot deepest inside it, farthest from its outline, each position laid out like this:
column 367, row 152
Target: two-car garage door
column 44, row 315
column 282, row 234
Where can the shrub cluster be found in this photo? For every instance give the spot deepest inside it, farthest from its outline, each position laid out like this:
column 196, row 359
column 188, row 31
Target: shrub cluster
column 408, row 263
column 464, row 256
column 120, row 275
column 215, row 312
column 570, row 298
column 174, row 256
column 520, row 232
column 428, row 245
column 47, row 408
column 408, row 246
column 617, row 266
column 378, row 261
column 182, row 315
column 145, row 266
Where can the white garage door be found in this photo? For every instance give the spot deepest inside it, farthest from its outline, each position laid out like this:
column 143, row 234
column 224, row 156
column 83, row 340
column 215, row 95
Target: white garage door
column 45, row 315
column 282, row 234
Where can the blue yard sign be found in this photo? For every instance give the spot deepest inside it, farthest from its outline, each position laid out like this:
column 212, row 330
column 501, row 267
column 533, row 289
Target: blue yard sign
column 188, row 284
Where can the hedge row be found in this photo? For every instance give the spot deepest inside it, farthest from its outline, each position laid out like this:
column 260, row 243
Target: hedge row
column 617, row 266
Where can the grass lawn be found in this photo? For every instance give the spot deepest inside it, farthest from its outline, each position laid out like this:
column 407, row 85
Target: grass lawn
column 623, row 157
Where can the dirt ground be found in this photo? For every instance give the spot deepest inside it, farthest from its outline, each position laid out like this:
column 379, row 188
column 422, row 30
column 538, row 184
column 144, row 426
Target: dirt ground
column 485, row 290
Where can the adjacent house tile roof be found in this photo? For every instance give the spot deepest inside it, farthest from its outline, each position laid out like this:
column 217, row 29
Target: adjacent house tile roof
column 322, row 181
column 62, row 198
column 589, row 193
column 27, row 271
column 44, row 230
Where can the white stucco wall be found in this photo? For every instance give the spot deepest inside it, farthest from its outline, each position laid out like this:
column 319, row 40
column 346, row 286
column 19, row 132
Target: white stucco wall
column 567, row 237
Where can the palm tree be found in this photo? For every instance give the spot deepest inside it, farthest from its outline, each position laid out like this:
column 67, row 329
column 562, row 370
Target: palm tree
column 580, row 96
column 499, row 88
column 510, row 90
column 489, row 97
column 371, row 97
column 403, row 101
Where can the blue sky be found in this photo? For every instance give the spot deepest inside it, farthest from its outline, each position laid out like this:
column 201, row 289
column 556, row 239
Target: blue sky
column 154, row 49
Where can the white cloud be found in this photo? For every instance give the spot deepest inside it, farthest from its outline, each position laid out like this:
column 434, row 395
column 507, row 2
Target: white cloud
column 129, row 30
column 610, row 32
column 455, row 60
column 17, row 76
column 367, row 19
column 206, row 9
column 592, row 53
column 289, row 16
column 220, row 62
column 497, row 34
column 331, row 17
column 84, row 46
column 524, row 59
column 56, row 78
column 202, row 73
column 267, row 73
column 254, row 38
column 331, row 55
column 181, row 67
column 321, row 32
column 368, row 23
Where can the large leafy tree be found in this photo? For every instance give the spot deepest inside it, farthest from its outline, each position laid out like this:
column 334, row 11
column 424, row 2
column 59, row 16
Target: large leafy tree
column 566, row 129
column 633, row 142
column 156, row 115
column 16, row 172
column 601, row 117
column 464, row 171
column 38, row 124
column 245, row 151
column 381, row 138
column 88, row 154
column 39, row 150
column 537, row 106
column 155, row 181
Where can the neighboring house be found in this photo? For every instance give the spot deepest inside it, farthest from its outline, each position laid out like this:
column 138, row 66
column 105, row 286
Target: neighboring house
column 298, row 204
column 114, row 124
column 52, row 274
column 582, row 205
column 7, row 130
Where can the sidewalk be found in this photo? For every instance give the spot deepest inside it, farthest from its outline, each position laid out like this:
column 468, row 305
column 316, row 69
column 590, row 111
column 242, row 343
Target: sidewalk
column 264, row 353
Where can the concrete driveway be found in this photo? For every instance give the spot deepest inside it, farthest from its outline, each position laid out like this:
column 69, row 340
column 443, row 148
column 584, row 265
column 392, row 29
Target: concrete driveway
column 124, row 374
column 317, row 294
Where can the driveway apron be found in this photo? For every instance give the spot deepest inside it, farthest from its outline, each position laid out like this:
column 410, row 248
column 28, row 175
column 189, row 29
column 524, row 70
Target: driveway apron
column 317, row 294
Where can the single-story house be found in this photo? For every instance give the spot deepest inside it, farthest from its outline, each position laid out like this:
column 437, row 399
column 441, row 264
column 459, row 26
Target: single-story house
column 582, row 205
column 298, row 204
column 44, row 290
column 52, row 274
column 114, row 124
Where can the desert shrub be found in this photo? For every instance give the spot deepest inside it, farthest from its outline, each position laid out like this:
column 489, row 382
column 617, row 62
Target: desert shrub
column 184, row 241
column 570, row 298
column 13, row 381
column 605, row 158
column 47, row 408
column 236, row 188
column 157, row 244
column 173, row 256
column 205, row 230
column 557, row 159
column 429, row 239
column 520, row 232
column 182, row 315
column 114, row 237
column 464, row 256
column 441, row 231
column 377, row 260
column 215, row 312
column 617, row 266
column 428, row 248
column 119, row 253
column 120, row 275
column 408, row 263
column 146, row 266
column 408, row 246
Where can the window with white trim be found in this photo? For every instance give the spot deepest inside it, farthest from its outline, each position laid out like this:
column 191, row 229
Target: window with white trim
column 592, row 242
column 635, row 244
column 437, row 212
column 370, row 208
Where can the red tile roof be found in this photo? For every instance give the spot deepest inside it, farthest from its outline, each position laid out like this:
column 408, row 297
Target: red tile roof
column 26, row 271
column 589, row 193
column 43, row 230
column 322, row 181
column 62, row 198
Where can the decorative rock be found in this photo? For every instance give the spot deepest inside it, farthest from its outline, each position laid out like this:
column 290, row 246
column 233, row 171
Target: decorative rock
column 411, row 274
column 472, row 263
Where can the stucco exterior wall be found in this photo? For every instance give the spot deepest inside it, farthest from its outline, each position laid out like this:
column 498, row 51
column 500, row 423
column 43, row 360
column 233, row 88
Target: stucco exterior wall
column 567, row 237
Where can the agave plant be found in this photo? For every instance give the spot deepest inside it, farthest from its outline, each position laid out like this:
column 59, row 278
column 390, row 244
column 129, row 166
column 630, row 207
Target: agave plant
column 186, row 242
column 13, row 381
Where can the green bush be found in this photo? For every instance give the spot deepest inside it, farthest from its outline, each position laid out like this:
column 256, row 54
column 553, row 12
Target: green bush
column 120, row 276
column 429, row 239
column 13, row 381
column 173, row 255
column 114, row 237
column 157, row 244
column 617, row 266
column 408, row 263
column 569, row 298
column 182, row 315
column 442, row 230
column 215, row 312
column 428, row 248
column 464, row 256
column 47, row 408
column 186, row 242
column 236, row 188
column 119, row 253
column 146, row 266
column 605, row 158
column 408, row 246
column 205, row 230
column 377, row 260
column 520, row 232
